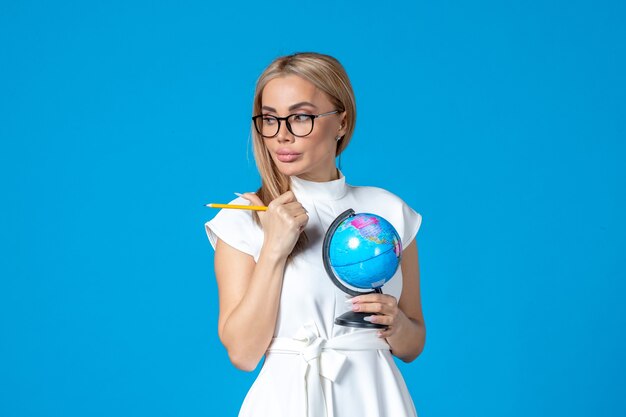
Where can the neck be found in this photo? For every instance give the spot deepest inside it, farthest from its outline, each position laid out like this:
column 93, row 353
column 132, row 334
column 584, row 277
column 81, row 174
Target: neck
column 332, row 175
column 311, row 190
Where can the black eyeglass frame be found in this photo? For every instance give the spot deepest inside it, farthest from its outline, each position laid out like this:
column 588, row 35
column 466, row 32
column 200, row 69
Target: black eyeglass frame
column 286, row 119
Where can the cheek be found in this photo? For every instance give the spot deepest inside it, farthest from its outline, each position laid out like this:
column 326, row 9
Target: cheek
column 322, row 147
column 326, row 139
column 322, row 143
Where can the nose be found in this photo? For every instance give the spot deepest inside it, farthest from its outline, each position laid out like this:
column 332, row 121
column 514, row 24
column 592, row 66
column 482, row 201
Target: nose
column 284, row 135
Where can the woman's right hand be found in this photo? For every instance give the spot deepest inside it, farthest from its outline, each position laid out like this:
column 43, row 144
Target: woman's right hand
column 282, row 223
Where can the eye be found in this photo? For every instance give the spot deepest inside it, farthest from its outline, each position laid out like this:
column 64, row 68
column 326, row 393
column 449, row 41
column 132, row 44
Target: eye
column 301, row 118
column 269, row 120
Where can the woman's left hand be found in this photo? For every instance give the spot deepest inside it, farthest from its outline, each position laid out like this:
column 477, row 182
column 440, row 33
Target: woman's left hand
column 384, row 308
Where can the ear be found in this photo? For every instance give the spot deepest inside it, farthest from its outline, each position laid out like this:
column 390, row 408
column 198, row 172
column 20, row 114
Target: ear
column 343, row 125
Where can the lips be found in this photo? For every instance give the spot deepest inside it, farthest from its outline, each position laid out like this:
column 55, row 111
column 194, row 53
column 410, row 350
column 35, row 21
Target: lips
column 286, row 155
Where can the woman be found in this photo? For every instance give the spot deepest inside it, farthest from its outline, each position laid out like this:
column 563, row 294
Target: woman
column 275, row 296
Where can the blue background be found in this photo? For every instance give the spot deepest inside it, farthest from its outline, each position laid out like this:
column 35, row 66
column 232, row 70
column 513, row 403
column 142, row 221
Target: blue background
column 502, row 123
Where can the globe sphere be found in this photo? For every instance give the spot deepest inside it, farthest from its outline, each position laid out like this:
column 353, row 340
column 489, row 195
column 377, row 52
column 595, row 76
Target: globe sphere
column 364, row 251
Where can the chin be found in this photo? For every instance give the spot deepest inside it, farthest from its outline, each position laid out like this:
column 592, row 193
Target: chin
column 290, row 171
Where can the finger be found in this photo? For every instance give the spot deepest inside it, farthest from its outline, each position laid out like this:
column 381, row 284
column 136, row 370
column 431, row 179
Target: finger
column 284, row 198
column 388, row 300
column 297, row 222
column 377, row 308
column 295, row 206
column 371, row 308
column 379, row 319
column 253, row 198
column 387, row 332
column 288, row 212
column 302, row 220
column 374, row 297
column 294, row 211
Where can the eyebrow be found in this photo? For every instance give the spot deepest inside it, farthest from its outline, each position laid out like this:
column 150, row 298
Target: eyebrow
column 292, row 107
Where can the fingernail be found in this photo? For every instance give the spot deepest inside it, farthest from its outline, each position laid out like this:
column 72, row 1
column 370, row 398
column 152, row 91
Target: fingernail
column 349, row 301
column 368, row 318
column 238, row 194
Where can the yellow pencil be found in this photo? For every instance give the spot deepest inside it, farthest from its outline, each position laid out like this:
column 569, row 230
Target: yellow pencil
column 236, row 206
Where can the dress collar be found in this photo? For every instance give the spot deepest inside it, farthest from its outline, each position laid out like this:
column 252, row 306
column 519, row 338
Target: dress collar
column 327, row 190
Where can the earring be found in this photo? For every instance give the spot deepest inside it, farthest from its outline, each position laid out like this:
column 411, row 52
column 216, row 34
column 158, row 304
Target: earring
column 338, row 138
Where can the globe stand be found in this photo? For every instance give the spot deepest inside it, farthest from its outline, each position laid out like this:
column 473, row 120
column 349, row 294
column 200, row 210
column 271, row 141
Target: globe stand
column 356, row 319
column 351, row 318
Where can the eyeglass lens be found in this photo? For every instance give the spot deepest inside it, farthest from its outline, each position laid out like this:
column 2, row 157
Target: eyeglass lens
column 298, row 124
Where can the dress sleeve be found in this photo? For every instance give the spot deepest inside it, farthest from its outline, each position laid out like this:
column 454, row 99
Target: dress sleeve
column 237, row 228
column 412, row 223
column 377, row 200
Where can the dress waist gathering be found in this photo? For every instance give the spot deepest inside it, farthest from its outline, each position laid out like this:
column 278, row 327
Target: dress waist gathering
column 322, row 358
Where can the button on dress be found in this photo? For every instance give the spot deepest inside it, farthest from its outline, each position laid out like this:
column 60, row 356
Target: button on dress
column 313, row 367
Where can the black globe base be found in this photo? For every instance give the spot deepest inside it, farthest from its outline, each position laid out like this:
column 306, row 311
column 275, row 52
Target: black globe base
column 355, row 319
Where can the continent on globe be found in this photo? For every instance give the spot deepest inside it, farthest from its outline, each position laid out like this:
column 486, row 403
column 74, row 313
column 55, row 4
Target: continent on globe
column 365, row 250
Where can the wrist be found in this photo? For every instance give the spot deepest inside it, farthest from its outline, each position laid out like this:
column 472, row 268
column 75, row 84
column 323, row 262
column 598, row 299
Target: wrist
column 403, row 322
column 272, row 255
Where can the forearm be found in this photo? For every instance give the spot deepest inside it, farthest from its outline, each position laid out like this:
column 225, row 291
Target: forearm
column 408, row 341
column 249, row 329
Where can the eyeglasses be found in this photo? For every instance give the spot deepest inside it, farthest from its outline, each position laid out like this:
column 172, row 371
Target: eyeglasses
column 299, row 124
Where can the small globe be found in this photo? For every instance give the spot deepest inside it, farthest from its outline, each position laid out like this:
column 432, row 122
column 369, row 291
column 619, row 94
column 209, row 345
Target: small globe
column 364, row 251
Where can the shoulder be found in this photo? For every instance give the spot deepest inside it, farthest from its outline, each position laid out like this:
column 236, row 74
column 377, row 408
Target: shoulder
column 371, row 192
column 234, row 219
column 235, row 214
column 376, row 200
column 236, row 227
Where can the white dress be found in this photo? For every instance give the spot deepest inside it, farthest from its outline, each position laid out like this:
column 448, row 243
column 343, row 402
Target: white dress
column 315, row 368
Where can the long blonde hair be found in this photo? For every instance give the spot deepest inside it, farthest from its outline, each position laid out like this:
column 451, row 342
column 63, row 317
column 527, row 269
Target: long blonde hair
column 329, row 76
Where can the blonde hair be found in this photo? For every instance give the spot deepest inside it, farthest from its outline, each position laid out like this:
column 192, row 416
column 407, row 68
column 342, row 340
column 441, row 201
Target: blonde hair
column 328, row 75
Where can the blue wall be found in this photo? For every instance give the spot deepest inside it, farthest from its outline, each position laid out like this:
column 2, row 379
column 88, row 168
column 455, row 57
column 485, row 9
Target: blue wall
column 504, row 125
